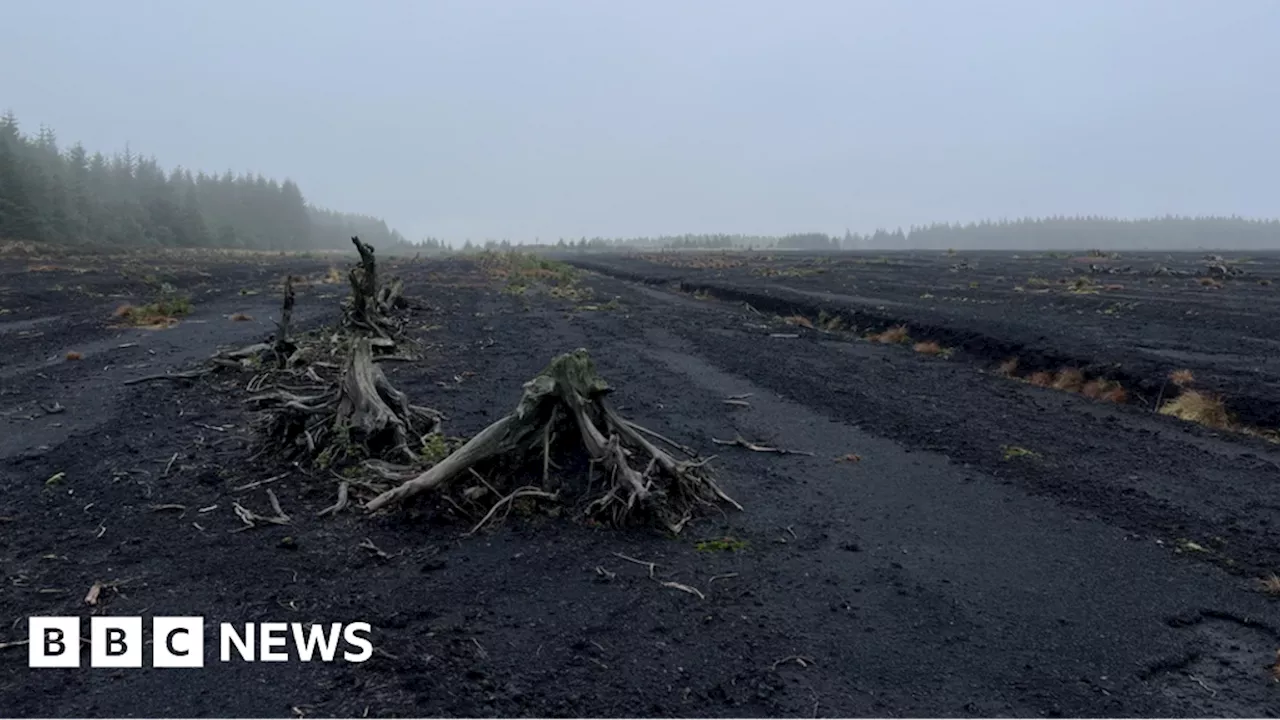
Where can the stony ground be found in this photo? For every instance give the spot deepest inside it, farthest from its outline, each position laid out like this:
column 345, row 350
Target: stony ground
column 909, row 565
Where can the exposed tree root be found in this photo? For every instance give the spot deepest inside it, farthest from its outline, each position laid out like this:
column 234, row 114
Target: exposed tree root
column 363, row 415
column 566, row 403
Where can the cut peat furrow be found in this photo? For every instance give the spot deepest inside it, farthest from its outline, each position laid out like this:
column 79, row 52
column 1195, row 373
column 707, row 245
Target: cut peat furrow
column 1143, row 375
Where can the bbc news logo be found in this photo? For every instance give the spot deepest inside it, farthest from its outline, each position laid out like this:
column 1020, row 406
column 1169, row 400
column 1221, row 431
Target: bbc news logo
column 179, row 642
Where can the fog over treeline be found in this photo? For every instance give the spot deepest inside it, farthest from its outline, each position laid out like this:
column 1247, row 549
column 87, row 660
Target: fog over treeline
column 1055, row 233
column 52, row 194
column 71, row 196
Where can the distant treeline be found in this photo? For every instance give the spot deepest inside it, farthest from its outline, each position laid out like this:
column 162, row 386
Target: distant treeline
column 70, row 196
column 1065, row 233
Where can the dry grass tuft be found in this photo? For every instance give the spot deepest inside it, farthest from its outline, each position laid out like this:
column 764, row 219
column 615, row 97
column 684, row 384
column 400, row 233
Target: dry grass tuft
column 1271, row 585
column 333, row 277
column 1008, row 367
column 73, row 355
column 929, row 347
column 157, row 315
column 1209, row 283
column 1203, row 408
column 800, row 320
column 1068, row 379
column 1041, row 379
column 1182, row 378
column 893, row 336
column 240, row 317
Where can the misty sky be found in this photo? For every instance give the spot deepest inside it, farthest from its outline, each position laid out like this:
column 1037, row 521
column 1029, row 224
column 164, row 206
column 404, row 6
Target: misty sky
column 556, row 118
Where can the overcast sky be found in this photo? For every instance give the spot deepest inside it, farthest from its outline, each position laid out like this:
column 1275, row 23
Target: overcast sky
column 525, row 118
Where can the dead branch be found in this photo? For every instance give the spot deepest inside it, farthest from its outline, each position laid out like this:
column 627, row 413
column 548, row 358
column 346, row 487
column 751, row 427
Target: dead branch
column 738, row 441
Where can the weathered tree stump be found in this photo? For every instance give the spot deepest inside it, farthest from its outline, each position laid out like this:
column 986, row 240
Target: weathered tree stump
column 565, row 403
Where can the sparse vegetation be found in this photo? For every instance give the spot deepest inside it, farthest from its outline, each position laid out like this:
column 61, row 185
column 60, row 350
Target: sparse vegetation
column 1069, row 380
column 1182, row 378
column 162, row 313
column 1015, row 452
column 1199, row 407
column 1271, row 585
column 895, row 335
column 73, row 355
column 721, row 544
column 932, row 348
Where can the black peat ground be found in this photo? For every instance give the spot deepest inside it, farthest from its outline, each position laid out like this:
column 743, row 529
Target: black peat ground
column 957, row 544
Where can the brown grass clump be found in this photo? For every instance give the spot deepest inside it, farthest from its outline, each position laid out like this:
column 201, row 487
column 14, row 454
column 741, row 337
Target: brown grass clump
column 1008, row 367
column 73, row 355
column 333, row 277
column 240, row 317
column 1182, row 378
column 1041, row 379
column 893, row 336
column 1195, row 406
column 1209, row 283
column 157, row 315
column 1068, row 379
column 800, row 320
column 928, row 347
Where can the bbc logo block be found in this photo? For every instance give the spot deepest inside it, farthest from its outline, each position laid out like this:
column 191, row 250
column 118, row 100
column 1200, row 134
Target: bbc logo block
column 115, row 642
column 179, row 642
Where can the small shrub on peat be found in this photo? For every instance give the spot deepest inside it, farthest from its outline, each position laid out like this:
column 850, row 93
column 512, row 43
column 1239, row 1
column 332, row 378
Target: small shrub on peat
column 1182, row 378
column 73, row 355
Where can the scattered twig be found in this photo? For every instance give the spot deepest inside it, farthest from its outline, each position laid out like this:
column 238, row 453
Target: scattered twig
column 738, row 441
column 190, row 375
column 1211, row 691
column 259, row 482
column 15, row 643
column 368, row 545
column 738, row 403
column 803, row 661
column 169, row 506
column 685, row 588
column 169, row 466
column 630, row 559
column 91, row 598
column 725, row 576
